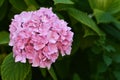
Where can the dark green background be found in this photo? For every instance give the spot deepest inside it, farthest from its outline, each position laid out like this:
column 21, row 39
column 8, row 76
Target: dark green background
column 96, row 44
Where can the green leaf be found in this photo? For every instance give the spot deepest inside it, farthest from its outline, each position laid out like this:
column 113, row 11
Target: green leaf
column 96, row 50
column 76, row 43
column 2, row 56
column 107, row 60
column 63, row 1
column 116, row 58
column 112, row 6
column 109, row 48
column 3, row 10
column 18, row 4
column 106, row 17
column 14, row 71
column 32, row 4
column 76, row 77
column 101, row 67
column 100, row 4
column 83, row 18
column 103, row 17
column 112, row 31
column 117, row 24
column 1, row 2
column 4, row 37
column 52, row 73
column 43, row 72
column 62, row 7
column 62, row 67
column 29, row 75
column 88, row 32
column 117, row 74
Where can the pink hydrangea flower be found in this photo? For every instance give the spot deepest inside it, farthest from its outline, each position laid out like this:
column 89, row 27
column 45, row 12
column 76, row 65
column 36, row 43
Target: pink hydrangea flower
column 39, row 36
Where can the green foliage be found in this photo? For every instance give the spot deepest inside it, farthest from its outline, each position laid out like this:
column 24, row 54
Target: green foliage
column 52, row 73
column 1, row 2
column 76, row 77
column 3, row 10
column 32, row 5
column 117, row 75
column 2, row 56
column 107, row 60
column 111, row 6
column 116, row 58
column 103, row 17
column 83, row 18
column 96, row 44
column 4, row 37
column 63, row 1
column 19, row 4
column 14, row 71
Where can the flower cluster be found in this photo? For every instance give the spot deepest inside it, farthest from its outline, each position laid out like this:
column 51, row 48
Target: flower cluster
column 39, row 36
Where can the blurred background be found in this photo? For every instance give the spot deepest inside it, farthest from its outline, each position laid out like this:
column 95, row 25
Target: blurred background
column 96, row 44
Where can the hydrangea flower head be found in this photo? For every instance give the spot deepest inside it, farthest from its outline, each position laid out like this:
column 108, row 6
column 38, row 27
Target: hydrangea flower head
column 39, row 36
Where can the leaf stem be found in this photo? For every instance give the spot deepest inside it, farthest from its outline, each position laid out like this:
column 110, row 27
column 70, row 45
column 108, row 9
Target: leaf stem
column 52, row 73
